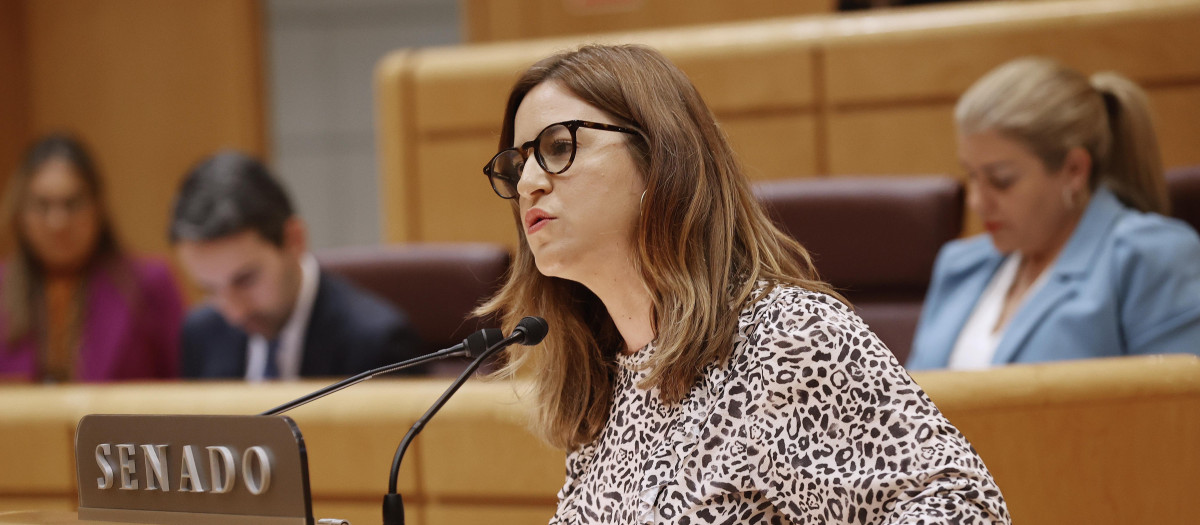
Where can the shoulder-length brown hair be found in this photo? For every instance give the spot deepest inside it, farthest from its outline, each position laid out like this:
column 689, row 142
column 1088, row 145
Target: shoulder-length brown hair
column 24, row 276
column 702, row 245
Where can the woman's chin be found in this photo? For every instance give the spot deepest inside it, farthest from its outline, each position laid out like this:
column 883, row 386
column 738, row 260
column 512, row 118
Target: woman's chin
column 63, row 263
column 554, row 266
column 546, row 266
column 1001, row 245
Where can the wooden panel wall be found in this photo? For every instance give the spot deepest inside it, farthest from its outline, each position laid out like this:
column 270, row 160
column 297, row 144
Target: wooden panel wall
column 151, row 86
column 497, row 20
column 440, row 110
column 823, row 95
column 882, row 83
column 14, row 119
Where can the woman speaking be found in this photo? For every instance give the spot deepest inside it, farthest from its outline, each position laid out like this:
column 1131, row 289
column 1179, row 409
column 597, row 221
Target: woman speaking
column 697, row 371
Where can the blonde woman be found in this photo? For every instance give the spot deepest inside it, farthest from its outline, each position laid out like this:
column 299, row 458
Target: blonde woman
column 696, row 370
column 1077, row 260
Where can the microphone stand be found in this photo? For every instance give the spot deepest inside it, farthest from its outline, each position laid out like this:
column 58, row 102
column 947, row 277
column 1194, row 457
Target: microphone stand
column 393, row 504
column 485, row 339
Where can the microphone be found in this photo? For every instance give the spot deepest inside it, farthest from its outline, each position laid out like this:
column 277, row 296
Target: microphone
column 529, row 331
column 473, row 346
column 534, row 329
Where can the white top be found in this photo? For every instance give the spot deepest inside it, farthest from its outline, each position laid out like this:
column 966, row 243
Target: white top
column 291, row 337
column 979, row 337
column 810, row 420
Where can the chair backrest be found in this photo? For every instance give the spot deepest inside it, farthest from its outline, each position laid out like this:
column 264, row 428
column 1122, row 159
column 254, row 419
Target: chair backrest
column 1183, row 187
column 873, row 238
column 437, row 285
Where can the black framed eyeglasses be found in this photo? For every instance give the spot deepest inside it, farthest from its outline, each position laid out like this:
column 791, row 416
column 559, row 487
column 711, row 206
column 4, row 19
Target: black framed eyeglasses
column 554, row 148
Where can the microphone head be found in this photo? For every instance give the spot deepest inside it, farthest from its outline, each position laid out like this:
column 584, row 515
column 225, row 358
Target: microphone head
column 482, row 340
column 533, row 328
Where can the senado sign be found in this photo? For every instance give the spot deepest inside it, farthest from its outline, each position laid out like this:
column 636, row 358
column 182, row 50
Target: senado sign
column 225, row 470
column 222, row 475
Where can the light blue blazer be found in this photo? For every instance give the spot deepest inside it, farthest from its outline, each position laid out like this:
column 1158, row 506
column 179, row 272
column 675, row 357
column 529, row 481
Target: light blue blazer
column 1125, row 283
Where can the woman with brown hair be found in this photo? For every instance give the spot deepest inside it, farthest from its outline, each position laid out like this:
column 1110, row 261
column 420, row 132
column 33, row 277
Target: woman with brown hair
column 1078, row 260
column 696, row 369
column 75, row 307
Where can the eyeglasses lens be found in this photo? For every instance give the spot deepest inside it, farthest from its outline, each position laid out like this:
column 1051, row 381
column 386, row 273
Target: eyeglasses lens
column 555, row 151
column 556, row 147
column 506, row 171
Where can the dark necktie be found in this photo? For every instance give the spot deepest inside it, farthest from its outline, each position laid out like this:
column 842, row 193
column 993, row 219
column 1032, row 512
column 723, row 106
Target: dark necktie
column 272, row 370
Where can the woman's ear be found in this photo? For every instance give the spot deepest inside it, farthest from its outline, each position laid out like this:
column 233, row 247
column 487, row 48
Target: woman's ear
column 1077, row 167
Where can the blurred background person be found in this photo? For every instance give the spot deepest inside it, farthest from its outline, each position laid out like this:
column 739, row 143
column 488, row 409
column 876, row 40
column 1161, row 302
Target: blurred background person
column 273, row 313
column 76, row 306
column 1078, row 260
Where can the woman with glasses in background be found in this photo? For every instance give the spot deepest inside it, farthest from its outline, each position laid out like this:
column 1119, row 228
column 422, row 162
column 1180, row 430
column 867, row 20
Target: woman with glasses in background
column 696, row 369
column 75, row 306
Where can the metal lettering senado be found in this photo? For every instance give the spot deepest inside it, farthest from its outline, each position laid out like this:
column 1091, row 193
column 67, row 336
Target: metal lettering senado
column 120, row 468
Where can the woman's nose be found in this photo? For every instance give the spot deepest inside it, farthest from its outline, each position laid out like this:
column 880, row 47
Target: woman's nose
column 58, row 217
column 533, row 179
column 976, row 199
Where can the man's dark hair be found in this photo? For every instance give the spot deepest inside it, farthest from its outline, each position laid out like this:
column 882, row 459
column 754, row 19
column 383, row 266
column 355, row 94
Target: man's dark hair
column 228, row 193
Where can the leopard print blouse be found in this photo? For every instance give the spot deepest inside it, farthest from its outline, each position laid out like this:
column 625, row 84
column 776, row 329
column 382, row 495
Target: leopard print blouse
column 810, row 421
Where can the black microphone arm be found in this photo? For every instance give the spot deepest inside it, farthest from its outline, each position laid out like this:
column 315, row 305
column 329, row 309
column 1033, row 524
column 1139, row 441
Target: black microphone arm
column 530, row 331
column 474, row 345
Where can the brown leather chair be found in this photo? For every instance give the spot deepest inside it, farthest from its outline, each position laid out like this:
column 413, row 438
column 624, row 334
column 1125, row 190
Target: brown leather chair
column 873, row 238
column 1183, row 187
column 437, row 285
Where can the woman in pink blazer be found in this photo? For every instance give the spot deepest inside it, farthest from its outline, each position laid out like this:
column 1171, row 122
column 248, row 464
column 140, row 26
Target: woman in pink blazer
column 73, row 305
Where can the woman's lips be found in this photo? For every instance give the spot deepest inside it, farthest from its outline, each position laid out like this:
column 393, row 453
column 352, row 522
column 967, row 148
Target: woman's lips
column 536, row 219
column 991, row 226
column 537, row 226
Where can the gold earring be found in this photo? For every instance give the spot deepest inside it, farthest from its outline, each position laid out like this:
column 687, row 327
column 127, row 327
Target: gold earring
column 1069, row 198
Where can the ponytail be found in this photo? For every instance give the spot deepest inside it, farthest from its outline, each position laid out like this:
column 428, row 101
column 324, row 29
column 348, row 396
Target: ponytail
column 1133, row 168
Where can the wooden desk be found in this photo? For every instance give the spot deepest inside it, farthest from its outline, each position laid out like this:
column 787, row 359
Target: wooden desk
column 47, row 517
column 1109, row 441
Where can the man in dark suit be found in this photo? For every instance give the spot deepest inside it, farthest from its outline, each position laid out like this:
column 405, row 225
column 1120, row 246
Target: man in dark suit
column 272, row 313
